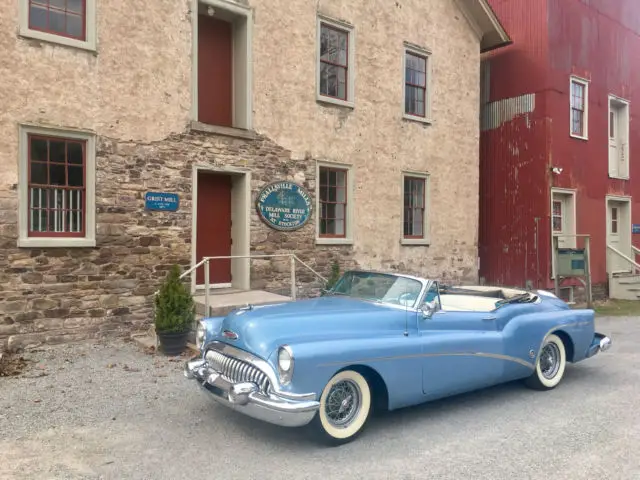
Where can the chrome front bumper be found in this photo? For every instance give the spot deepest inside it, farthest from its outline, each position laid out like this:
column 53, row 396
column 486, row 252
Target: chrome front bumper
column 600, row 343
column 246, row 397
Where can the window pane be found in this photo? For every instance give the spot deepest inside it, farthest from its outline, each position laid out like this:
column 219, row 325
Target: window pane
column 39, row 173
column 57, row 174
column 74, row 6
column 74, row 153
column 76, row 177
column 57, row 151
column 37, row 16
column 74, row 26
column 39, row 150
column 61, row 4
column 333, row 46
column 57, row 21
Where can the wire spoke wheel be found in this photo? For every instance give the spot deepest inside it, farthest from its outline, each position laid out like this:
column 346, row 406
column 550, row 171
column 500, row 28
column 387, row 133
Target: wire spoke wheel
column 345, row 404
column 550, row 364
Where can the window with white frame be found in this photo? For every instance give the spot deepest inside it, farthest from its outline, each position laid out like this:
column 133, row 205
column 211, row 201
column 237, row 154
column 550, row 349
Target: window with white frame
column 415, row 215
column 335, row 62
column 57, row 188
column 618, row 138
column 579, row 97
column 416, row 91
column 66, row 22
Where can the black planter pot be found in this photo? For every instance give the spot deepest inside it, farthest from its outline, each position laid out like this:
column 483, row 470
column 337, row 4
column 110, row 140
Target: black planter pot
column 173, row 343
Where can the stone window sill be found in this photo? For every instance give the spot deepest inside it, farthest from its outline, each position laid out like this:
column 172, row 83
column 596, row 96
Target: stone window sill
column 220, row 130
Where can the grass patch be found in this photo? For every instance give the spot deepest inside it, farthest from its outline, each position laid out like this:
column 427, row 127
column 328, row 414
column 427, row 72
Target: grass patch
column 621, row 308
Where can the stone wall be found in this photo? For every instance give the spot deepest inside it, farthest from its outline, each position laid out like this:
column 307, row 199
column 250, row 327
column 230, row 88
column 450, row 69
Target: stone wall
column 59, row 294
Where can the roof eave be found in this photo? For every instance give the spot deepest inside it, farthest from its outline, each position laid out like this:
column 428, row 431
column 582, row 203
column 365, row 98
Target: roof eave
column 485, row 23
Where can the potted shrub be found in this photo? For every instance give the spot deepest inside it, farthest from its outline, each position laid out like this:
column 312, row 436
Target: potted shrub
column 174, row 313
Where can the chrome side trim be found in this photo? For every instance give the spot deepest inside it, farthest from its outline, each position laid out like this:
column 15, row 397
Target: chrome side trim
column 425, row 355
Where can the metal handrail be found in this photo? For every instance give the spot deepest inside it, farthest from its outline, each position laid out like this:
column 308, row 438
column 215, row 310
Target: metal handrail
column 624, row 257
column 635, row 249
column 207, row 284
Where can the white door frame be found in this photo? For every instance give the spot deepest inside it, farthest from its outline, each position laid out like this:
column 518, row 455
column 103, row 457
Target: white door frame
column 240, row 228
column 627, row 225
column 571, row 241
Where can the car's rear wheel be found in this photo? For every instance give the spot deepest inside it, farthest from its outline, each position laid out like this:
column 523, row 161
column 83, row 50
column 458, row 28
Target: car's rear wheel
column 345, row 405
column 550, row 365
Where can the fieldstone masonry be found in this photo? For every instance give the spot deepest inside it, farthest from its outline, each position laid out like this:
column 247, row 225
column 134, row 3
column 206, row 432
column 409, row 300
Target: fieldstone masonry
column 58, row 294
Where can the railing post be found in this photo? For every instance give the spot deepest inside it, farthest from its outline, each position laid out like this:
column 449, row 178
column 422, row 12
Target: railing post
column 206, row 288
column 293, row 278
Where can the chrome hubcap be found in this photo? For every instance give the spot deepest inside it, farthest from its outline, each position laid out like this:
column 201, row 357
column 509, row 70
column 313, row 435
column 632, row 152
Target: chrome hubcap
column 550, row 360
column 343, row 403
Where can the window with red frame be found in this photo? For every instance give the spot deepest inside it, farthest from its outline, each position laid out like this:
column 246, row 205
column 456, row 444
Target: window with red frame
column 415, row 90
column 414, row 206
column 333, row 202
column 577, row 108
column 334, row 62
column 56, row 187
column 59, row 17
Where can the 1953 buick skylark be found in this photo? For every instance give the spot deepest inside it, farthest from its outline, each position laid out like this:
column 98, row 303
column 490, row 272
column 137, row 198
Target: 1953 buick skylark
column 384, row 341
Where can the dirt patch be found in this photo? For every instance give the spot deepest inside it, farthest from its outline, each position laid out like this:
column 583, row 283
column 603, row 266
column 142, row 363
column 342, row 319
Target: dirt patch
column 11, row 365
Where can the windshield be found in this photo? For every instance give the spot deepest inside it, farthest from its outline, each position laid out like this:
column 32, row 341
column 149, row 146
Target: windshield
column 379, row 287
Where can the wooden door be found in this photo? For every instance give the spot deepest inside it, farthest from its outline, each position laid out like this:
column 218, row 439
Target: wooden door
column 215, row 71
column 213, row 229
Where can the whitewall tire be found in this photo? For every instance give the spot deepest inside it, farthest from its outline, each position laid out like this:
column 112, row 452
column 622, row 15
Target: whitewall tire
column 550, row 365
column 345, row 405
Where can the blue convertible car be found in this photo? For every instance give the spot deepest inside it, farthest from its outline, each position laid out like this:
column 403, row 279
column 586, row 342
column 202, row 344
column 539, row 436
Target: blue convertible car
column 385, row 341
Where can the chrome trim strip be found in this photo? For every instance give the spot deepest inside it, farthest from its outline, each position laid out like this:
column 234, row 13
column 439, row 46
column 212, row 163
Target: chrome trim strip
column 424, row 355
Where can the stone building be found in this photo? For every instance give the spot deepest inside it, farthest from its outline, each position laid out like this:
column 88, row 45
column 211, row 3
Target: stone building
column 108, row 106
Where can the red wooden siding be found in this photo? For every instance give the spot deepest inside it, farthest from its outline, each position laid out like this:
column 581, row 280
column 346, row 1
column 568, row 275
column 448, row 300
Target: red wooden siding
column 598, row 40
column 215, row 71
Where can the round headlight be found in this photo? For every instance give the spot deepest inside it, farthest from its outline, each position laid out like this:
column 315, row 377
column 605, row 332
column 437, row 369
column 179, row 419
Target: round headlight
column 201, row 333
column 284, row 359
column 285, row 364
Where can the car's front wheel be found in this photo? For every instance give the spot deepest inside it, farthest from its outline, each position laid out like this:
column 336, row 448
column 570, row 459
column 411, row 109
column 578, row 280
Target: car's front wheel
column 345, row 405
column 550, row 366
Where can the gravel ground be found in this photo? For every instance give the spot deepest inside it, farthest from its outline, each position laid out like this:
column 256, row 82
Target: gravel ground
column 111, row 411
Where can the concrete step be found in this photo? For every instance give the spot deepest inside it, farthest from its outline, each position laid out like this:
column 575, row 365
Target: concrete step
column 223, row 301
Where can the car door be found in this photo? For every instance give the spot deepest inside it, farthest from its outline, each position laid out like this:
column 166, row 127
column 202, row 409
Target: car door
column 461, row 350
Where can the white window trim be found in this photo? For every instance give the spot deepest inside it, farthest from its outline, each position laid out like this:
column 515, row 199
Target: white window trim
column 242, row 106
column 89, row 240
column 422, row 52
column 351, row 71
column 426, row 220
column 573, row 212
column 626, row 103
column 584, row 82
column 348, row 238
column 90, row 42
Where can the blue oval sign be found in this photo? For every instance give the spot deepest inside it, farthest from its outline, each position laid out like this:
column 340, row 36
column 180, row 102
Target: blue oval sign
column 284, row 206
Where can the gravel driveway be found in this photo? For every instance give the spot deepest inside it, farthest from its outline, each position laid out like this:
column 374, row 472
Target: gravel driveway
column 112, row 411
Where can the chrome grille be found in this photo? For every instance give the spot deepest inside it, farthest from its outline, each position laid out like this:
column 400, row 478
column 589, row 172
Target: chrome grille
column 237, row 371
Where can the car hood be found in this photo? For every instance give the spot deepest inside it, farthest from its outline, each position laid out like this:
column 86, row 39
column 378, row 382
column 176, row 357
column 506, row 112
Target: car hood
column 263, row 328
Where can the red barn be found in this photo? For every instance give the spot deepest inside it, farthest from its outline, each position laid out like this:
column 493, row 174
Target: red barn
column 558, row 143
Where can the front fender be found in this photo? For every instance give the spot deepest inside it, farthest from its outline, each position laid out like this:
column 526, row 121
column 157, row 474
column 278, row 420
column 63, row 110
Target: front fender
column 396, row 359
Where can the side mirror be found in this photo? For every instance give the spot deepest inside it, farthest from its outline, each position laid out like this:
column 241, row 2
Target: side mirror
column 428, row 309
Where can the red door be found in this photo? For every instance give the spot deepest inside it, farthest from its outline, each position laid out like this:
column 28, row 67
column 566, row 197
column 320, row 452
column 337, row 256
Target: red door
column 213, row 231
column 215, row 71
